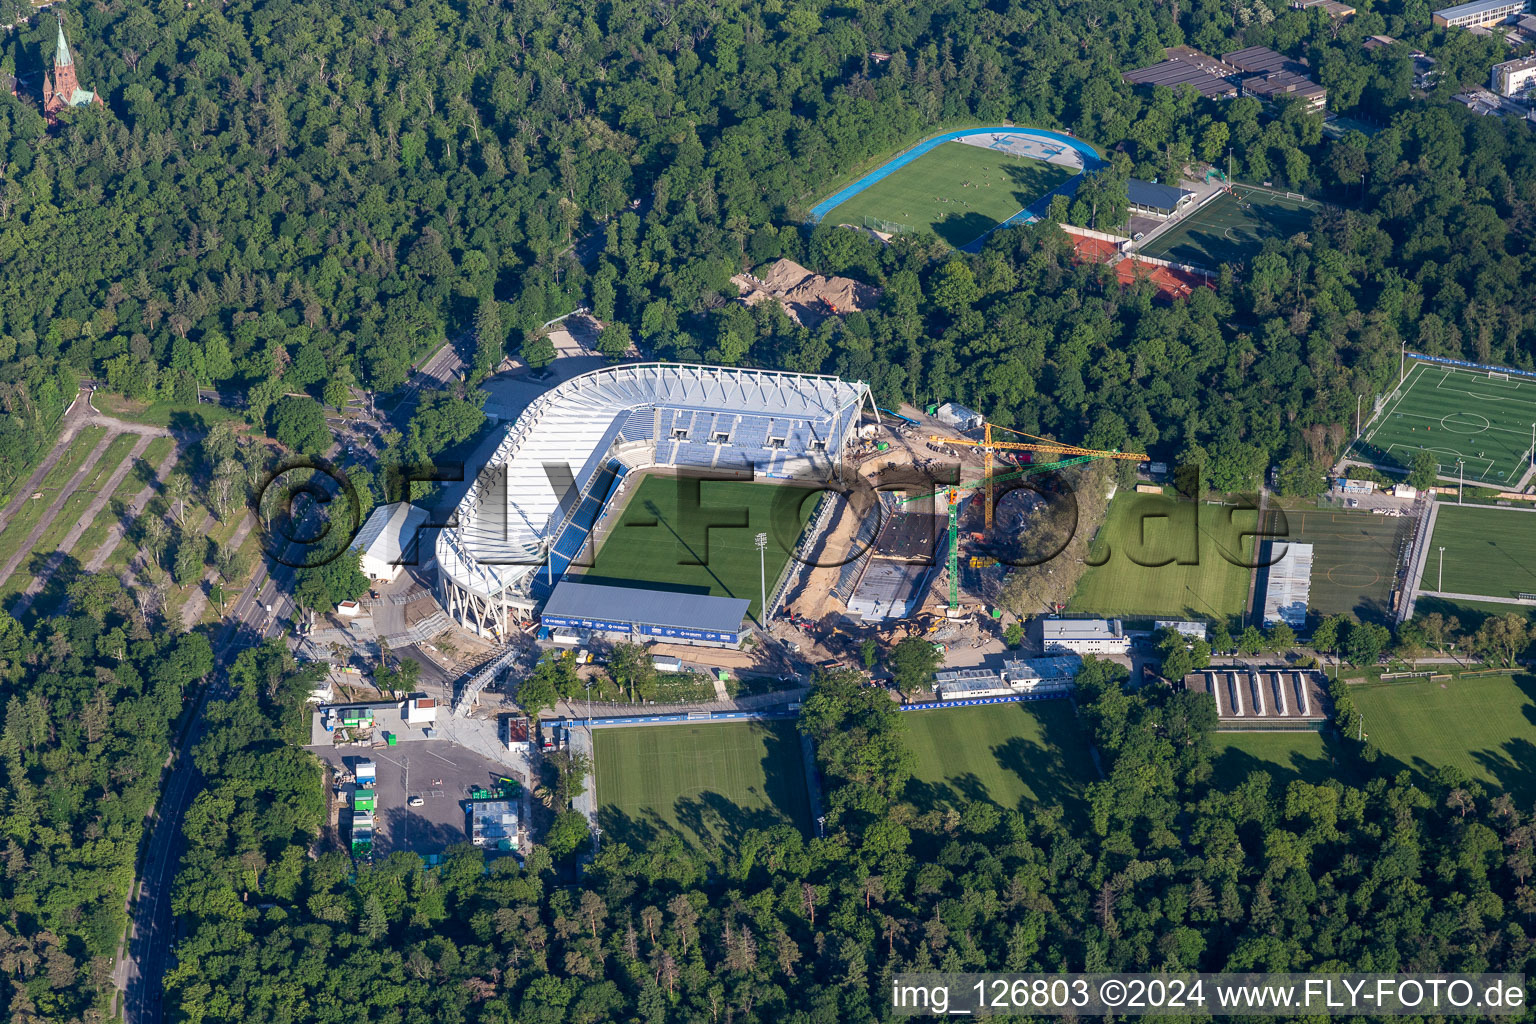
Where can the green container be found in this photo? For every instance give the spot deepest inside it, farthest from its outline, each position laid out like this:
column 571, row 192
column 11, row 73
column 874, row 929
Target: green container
column 391, row 739
column 882, row 447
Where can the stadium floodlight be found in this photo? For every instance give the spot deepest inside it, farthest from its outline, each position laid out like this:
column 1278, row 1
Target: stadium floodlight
column 761, row 540
column 1440, row 580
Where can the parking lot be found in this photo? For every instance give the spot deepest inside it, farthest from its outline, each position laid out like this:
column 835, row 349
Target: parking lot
column 440, row 772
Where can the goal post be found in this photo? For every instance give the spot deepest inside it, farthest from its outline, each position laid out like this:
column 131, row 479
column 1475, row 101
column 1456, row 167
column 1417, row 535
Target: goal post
column 1498, row 375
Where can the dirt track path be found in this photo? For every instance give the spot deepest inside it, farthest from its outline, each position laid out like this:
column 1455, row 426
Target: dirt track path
column 115, row 534
column 78, row 415
column 108, row 488
column 49, row 516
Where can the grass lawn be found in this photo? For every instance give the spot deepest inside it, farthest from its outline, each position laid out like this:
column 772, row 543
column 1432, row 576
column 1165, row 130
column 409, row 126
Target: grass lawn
column 195, row 418
column 957, row 191
column 1488, row 551
column 707, row 783
column 1456, row 414
column 696, row 536
column 1288, row 756
column 1136, row 558
column 1232, row 230
column 1484, row 726
column 31, row 511
column 1015, row 755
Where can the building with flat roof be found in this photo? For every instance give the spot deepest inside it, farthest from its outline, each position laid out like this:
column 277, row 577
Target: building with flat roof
column 1083, row 636
column 1193, row 630
column 1480, row 12
column 1268, row 75
column 1156, row 200
column 639, row 612
column 1514, row 77
column 970, row 683
column 1186, row 66
column 387, row 541
column 1288, row 583
column 1032, row 673
column 493, row 824
column 1333, row 8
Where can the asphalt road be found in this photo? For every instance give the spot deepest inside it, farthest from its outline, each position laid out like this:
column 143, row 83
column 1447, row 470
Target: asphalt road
column 149, row 949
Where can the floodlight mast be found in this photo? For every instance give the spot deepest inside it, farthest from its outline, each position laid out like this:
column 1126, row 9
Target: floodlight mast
column 761, row 540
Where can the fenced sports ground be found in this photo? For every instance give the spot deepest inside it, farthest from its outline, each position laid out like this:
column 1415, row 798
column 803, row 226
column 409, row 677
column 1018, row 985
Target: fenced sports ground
column 705, row 783
column 1232, row 228
column 1018, row 756
column 964, row 191
column 1354, row 558
column 956, row 191
column 1485, row 421
column 1488, row 551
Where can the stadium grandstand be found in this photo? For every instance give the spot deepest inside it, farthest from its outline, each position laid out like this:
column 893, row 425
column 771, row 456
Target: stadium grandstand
column 531, row 511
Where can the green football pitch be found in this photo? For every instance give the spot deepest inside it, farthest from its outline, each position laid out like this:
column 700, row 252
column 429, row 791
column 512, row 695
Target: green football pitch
column 686, row 534
column 1488, row 551
column 1483, row 726
column 1011, row 754
column 1232, row 228
column 706, row 783
column 957, row 191
column 1354, row 558
column 1485, row 422
column 1155, row 557
column 1287, row 756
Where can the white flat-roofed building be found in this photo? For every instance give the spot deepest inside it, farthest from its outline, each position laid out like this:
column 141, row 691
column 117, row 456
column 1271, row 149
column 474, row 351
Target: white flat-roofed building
column 1084, row 636
column 970, row 683
column 1514, row 77
column 387, row 540
column 1193, row 630
column 1289, row 584
column 1025, row 674
column 1480, row 12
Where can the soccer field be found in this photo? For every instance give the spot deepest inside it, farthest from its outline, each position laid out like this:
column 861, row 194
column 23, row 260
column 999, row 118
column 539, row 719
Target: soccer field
column 957, row 191
column 1482, row 726
column 1287, row 756
column 1354, row 558
column 707, row 783
column 1488, row 551
column 687, row 534
column 1231, row 229
column 1137, row 556
column 1457, row 414
column 1012, row 754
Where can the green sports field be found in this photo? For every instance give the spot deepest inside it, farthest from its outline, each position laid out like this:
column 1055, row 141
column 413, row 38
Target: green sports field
column 1488, row 551
column 1457, row 414
column 1231, row 229
column 1483, row 726
column 686, row 534
column 1138, row 553
column 707, row 783
column 1354, row 558
column 957, row 191
column 1287, row 756
column 1014, row 755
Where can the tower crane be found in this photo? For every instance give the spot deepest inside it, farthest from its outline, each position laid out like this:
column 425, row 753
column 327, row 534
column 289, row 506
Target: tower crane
column 1039, row 444
column 952, row 495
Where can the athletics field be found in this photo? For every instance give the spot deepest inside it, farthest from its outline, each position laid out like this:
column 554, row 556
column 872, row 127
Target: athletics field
column 957, row 191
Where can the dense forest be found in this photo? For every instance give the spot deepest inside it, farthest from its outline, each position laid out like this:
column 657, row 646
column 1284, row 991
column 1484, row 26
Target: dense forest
column 276, row 201
column 279, row 198
column 1155, row 868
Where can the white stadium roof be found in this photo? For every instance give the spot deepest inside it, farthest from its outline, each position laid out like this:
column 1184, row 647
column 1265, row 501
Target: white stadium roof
column 559, row 444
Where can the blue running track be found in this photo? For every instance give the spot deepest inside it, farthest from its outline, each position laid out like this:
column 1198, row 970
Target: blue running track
column 1091, row 162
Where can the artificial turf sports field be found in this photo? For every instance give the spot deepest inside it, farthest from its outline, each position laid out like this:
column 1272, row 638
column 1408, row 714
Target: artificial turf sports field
column 686, row 534
column 957, row 191
column 1488, row 551
column 707, row 783
column 1135, row 570
column 1457, row 414
column 1014, row 755
column 1231, row 229
column 1483, row 726
column 1354, row 557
